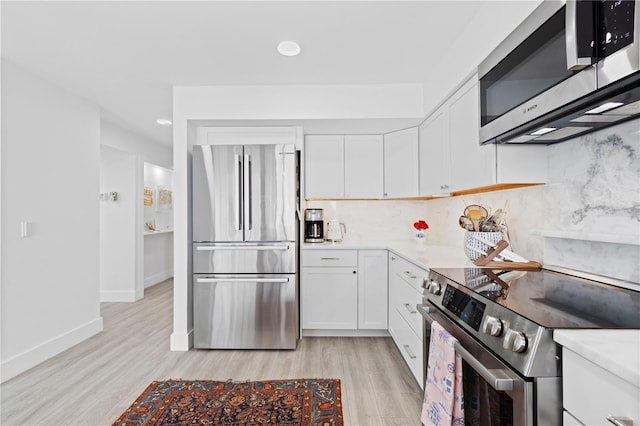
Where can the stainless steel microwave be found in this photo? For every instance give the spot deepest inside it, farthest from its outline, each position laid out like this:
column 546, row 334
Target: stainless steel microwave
column 570, row 68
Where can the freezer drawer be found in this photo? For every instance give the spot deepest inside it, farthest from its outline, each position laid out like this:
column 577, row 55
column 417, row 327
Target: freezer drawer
column 245, row 312
column 244, row 258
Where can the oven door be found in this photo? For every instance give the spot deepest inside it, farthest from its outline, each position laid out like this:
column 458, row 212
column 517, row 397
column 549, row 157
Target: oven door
column 493, row 394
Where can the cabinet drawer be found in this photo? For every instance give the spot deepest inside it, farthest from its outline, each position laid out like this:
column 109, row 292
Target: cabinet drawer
column 409, row 272
column 333, row 258
column 590, row 393
column 409, row 345
column 406, row 299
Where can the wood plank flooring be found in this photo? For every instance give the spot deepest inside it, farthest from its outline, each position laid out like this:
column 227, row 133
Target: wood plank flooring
column 95, row 381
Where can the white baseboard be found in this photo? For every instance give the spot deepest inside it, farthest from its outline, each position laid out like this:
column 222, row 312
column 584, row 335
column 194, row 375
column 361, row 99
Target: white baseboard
column 345, row 333
column 22, row 362
column 182, row 342
column 119, row 296
column 157, row 278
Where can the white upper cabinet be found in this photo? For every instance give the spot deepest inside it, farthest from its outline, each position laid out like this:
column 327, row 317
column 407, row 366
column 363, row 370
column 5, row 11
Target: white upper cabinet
column 473, row 165
column 401, row 163
column 324, row 166
column 435, row 160
column 338, row 166
column 452, row 159
column 363, row 166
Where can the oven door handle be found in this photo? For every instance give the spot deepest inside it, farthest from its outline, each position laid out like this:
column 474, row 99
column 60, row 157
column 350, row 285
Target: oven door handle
column 496, row 378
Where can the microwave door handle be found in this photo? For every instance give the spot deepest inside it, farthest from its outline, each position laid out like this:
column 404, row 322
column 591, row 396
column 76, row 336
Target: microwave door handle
column 573, row 9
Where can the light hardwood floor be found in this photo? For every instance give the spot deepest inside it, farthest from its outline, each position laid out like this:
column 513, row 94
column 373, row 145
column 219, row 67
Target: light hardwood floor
column 95, row 381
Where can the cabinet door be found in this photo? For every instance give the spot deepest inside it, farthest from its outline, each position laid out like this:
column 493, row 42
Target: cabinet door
column 364, row 166
column 372, row 289
column 324, row 166
column 591, row 393
column 401, row 163
column 329, row 298
column 435, row 161
column 472, row 164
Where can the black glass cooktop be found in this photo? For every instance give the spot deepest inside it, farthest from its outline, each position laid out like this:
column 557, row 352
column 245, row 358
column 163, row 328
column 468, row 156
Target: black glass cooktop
column 552, row 299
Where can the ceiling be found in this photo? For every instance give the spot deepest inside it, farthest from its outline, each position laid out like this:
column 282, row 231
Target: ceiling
column 126, row 55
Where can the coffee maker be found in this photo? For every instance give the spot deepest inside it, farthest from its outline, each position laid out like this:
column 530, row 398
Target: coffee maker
column 313, row 226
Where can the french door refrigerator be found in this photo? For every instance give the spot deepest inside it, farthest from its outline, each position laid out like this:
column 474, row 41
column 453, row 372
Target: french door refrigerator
column 245, row 252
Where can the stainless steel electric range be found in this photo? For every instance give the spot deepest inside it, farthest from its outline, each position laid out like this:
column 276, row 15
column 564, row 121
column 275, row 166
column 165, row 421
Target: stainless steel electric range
column 504, row 322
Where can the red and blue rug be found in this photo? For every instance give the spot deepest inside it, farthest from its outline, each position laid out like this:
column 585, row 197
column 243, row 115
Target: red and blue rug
column 205, row 402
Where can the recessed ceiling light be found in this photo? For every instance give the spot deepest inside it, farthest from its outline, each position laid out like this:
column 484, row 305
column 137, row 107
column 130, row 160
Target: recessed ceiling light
column 543, row 131
column 288, row 48
column 604, row 107
column 163, row 122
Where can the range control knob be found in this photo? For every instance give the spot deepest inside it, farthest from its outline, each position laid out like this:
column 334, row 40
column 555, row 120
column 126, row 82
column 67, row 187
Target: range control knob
column 435, row 288
column 492, row 326
column 515, row 341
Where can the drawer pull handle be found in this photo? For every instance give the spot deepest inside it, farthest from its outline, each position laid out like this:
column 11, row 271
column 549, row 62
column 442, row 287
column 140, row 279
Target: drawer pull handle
column 409, row 352
column 409, row 274
column 411, row 311
column 619, row 421
column 329, row 258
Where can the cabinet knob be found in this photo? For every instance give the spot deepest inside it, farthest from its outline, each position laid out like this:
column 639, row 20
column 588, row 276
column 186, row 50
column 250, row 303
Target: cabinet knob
column 354, row 272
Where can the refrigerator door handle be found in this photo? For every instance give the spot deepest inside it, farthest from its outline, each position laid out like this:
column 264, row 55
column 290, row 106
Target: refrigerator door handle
column 243, row 247
column 238, row 173
column 249, row 194
column 243, row 280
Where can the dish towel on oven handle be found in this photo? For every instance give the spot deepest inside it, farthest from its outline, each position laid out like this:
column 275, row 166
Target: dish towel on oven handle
column 443, row 397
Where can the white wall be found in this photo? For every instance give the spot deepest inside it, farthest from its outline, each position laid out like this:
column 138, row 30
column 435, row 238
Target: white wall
column 119, row 275
column 494, row 21
column 147, row 150
column 50, row 178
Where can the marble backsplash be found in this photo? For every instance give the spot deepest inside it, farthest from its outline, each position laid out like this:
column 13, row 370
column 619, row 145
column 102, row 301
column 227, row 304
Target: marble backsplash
column 587, row 217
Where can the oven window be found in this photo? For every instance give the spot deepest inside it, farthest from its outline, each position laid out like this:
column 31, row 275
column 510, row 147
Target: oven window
column 539, row 63
column 483, row 405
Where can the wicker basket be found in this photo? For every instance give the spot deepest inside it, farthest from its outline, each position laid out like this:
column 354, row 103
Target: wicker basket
column 494, row 237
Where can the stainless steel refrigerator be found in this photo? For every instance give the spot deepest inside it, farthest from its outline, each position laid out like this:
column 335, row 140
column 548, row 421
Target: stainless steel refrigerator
column 245, row 251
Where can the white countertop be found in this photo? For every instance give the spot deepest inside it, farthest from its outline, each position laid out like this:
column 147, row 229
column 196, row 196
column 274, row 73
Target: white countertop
column 422, row 254
column 617, row 351
column 162, row 231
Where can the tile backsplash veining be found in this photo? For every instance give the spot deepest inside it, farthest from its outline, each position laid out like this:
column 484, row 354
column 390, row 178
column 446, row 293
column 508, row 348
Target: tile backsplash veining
column 593, row 197
column 587, row 217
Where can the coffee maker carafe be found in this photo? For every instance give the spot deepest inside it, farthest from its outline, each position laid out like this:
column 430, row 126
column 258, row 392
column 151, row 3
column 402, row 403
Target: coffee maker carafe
column 313, row 226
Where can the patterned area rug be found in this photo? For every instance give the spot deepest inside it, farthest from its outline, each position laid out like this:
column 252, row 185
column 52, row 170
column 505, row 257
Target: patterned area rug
column 205, row 402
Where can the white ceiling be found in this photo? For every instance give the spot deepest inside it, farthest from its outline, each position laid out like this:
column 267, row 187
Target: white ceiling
column 126, row 55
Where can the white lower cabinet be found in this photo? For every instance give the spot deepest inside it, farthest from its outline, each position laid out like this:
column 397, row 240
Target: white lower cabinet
column 372, row 290
column 330, row 296
column 344, row 290
column 405, row 322
column 591, row 393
